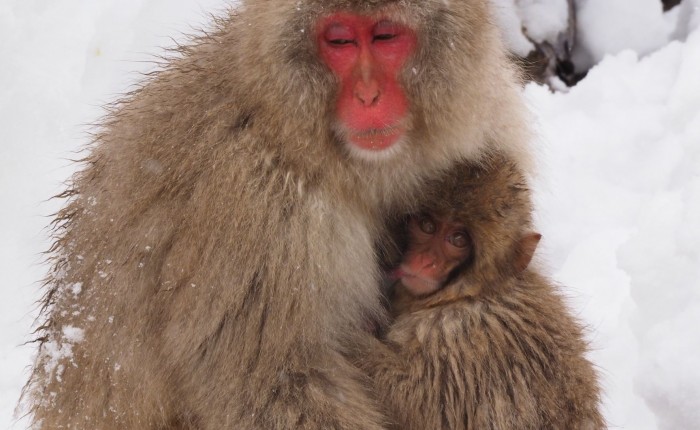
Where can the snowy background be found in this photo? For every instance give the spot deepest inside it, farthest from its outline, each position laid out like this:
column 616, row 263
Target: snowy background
column 618, row 194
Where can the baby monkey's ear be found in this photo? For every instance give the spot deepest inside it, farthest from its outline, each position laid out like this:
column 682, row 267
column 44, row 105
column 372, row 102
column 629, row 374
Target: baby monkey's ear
column 525, row 249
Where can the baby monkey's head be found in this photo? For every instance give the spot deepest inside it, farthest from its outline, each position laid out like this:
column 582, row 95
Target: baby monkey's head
column 476, row 227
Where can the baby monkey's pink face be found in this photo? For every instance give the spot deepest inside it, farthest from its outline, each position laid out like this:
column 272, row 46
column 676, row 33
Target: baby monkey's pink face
column 436, row 247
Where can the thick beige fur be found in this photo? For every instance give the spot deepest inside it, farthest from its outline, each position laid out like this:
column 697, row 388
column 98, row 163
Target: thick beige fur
column 496, row 348
column 217, row 249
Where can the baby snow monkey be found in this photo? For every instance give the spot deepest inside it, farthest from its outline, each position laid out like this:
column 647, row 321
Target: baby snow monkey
column 480, row 340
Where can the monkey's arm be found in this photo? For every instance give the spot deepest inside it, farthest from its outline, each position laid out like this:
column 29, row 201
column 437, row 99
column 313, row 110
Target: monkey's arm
column 509, row 362
column 449, row 367
column 417, row 371
column 524, row 361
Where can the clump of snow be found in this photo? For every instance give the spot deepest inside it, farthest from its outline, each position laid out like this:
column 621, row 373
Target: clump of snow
column 76, row 288
column 73, row 334
column 56, row 352
column 510, row 25
column 58, row 349
column 609, row 27
column 525, row 21
column 544, row 19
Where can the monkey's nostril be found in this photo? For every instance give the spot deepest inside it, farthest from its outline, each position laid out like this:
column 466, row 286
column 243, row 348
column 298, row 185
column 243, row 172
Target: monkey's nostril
column 367, row 92
column 367, row 97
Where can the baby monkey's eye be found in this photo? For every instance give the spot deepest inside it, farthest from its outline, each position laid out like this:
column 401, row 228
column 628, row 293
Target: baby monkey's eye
column 459, row 239
column 427, row 225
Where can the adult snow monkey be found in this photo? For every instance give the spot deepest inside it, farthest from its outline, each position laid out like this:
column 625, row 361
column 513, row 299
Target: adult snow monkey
column 216, row 252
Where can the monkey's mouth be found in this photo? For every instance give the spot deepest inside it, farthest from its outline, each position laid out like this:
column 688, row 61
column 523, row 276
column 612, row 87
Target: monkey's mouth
column 376, row 139
column 416, row 284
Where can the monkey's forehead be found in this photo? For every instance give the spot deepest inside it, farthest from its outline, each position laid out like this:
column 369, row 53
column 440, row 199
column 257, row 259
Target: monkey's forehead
column 415, row 13
column 365, row 6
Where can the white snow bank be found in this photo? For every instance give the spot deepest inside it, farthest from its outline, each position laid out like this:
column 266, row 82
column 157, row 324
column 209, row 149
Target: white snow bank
column 609, row 27
column 620, row 214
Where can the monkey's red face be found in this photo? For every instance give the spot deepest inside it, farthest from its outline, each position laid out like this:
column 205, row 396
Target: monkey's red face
column 367, row 55
column 436, row 247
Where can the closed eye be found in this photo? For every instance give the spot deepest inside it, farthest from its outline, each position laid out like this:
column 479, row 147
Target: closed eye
column 340, row 42
column 386, row 36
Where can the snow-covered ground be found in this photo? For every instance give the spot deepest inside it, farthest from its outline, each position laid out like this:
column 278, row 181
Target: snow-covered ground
column 618, row 193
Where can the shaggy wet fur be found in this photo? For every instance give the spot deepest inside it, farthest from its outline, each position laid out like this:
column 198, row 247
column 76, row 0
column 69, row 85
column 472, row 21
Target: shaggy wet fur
column 217, row 249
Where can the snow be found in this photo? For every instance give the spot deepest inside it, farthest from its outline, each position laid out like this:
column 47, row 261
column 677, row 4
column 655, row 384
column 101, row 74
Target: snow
column 618, row 192
column 510, row 23
column 619, row 198
column 609, row 27
column 72, row 334
column 543, row 20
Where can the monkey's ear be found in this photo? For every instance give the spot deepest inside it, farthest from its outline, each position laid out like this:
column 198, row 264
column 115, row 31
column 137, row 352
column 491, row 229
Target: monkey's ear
column 525, row 250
